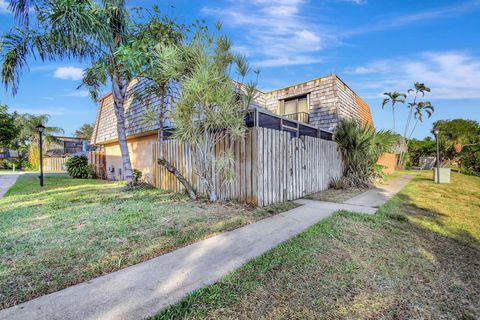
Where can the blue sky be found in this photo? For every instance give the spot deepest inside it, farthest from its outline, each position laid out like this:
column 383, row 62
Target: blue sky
column 373, row 45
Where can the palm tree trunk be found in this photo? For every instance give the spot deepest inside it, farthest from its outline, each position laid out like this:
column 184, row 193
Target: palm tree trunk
column 414, row 127
column 407, row 125
column 119, row 88
column 393, row 113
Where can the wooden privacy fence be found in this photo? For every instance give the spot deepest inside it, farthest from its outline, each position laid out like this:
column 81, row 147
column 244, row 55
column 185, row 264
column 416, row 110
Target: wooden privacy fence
column 270, row 166
column 98, row 161
column 54, row 164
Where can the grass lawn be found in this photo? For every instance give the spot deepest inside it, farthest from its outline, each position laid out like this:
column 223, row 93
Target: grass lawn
column 418, row 258
column 74, row 230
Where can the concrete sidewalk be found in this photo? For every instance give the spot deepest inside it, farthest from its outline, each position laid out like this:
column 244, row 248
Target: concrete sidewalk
column 6, row 181
column 377, row 197
column 144, row 289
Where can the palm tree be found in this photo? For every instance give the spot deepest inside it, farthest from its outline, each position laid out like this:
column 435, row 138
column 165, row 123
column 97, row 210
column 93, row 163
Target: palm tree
column 393, row 98
column 92, row 30
column 420, row 108
column 419, row 88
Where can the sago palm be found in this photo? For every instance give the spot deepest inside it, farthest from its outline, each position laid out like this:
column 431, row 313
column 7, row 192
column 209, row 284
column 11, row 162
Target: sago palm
column 393, row 98
column 361, row 147
column 79, row 29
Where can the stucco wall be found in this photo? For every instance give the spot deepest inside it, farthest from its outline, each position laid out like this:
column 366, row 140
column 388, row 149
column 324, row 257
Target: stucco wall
column 389, row 161
column 140, row 156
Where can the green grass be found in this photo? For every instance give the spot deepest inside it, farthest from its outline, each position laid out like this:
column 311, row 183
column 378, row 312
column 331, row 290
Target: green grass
column 74, row 230
column 418, row 258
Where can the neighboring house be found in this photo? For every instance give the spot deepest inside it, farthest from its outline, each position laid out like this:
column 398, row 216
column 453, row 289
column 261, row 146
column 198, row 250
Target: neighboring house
column 66, row 146
column 9, row 154
column 311, row 108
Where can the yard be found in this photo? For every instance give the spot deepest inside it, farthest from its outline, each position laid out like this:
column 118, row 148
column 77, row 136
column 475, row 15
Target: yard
column 75, row 230
column 419, row 257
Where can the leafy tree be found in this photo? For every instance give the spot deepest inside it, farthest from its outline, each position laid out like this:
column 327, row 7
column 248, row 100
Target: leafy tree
column 456, row 134
column 393, row 98
column 140, row 56
column 361, row 147
column 210, row 107
column 8, row 129
column 85, row 131
column 420, row 148
column 470, row 160
column 74, row 29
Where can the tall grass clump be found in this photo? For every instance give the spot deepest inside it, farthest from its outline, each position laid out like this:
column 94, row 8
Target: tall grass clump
column 361, row 147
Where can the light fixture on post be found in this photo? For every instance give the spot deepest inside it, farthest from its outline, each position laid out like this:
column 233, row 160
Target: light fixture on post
column 436, row 132
column 40, row 129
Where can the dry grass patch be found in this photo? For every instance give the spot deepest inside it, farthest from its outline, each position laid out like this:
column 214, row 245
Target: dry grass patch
column 74, row 230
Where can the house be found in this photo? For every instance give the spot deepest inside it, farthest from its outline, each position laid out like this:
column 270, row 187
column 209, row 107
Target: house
column 312, row 108
column 9, row 154
column 66, row 146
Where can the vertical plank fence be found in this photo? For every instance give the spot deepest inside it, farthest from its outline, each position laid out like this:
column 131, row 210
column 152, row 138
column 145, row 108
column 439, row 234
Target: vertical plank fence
column 270, row 166
column 54, row 164
column 98, row 161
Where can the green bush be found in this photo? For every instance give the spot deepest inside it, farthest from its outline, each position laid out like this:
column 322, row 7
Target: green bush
column 137, row 175
column 470, row 160
column 19, row 164
column 77, row 167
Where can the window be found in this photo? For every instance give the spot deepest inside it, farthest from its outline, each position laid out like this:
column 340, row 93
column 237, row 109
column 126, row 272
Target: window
column 294, row 105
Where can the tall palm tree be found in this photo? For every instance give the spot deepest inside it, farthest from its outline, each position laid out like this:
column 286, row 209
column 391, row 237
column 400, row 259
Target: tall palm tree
column 393, row 98
column 80, row 29
column 420, row 109
column 419, row 88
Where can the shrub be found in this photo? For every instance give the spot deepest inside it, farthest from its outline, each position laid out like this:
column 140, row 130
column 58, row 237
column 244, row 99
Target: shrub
column 77, row 167
column 137, row 175
column 9, row 163
column 361, row 147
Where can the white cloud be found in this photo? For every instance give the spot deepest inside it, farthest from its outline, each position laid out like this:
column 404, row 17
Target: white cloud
column 4, row 6
column 78, row 93
column 450, row 75
column 359, row 2
column 276, row 33
column 68, row 73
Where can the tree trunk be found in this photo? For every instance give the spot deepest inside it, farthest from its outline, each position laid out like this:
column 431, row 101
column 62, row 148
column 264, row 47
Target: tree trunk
column 393, row 114
column 170, row 168
column 119, row 88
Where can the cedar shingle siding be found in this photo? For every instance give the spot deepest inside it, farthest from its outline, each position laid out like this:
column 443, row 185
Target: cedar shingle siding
column 330, row 101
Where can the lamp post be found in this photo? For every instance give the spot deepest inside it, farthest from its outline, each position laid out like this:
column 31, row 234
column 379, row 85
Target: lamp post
column 40, row 129
column 436, row 131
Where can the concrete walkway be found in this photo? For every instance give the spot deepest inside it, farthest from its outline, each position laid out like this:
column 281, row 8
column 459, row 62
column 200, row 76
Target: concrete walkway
column 142, row 290
column 6, row 181
column 377, row 197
